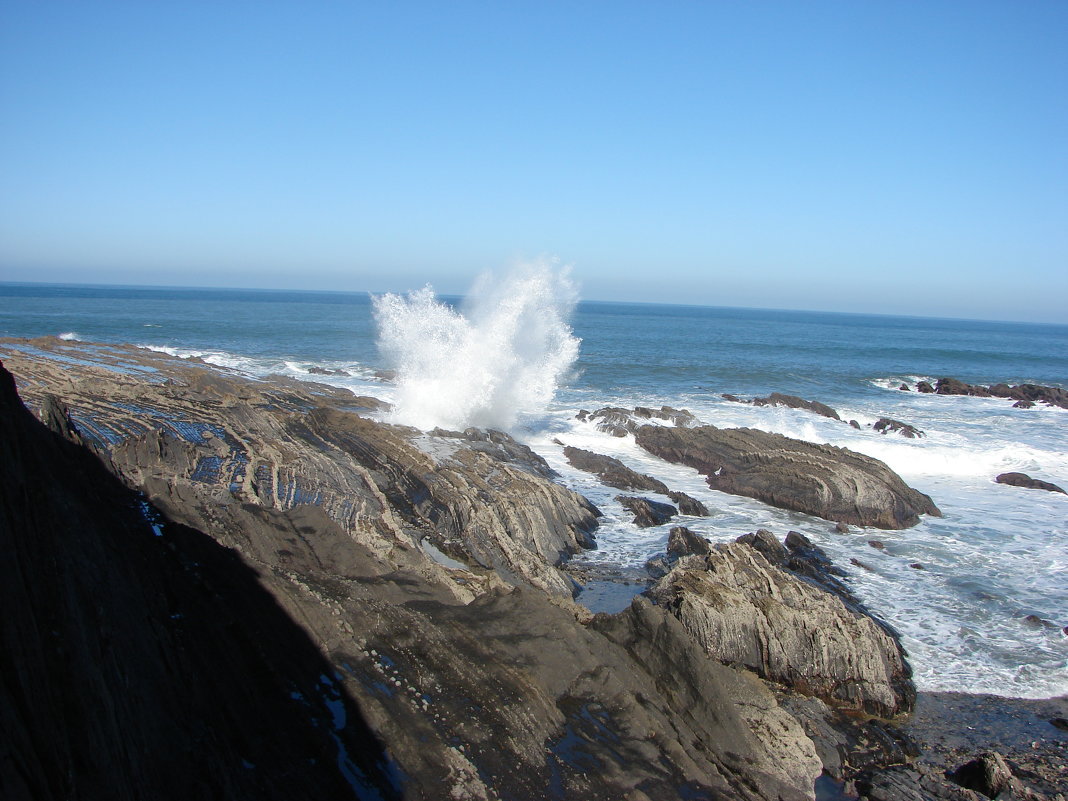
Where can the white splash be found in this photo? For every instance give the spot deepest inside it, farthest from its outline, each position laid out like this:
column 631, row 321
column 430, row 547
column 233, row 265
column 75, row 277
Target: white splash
column 501, row 359
column 69, row 336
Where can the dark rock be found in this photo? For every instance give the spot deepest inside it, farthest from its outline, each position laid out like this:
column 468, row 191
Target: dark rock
column 904, row 388
column 731, row 398
column 648, row 513
column 860, row 564
column 885, row 425
column 833, row 483
column 925, row 387
column 1024, row 404
column 841, row 528
column 765, row 542
column 876, row 544
column 688, row 505
column 56, row 416
column 619, row 422
column 315, row 370
column 1030, row 393
column 613, row 472
column 143, row 659
column 917, row 566
column 854, row 424
column 794, row 402
column 582, row 415
column 952, row 386
column 988, row 774
column 386, row 375
column 683, row 542
column 1060, row 723
column 1024, row 480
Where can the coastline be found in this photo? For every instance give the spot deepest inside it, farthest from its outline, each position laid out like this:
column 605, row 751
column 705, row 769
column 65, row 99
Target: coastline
column 250, row 463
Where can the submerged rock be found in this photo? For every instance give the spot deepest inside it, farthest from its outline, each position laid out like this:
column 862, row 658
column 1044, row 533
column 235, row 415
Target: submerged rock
column 1024, row 480
column 834, row 483
column 1023, row 393
column 794, row 402
column 648, row 513
column 885, row 425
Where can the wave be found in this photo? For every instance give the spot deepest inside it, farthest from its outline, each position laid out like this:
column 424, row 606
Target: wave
column 500, row 359
column 69, row 336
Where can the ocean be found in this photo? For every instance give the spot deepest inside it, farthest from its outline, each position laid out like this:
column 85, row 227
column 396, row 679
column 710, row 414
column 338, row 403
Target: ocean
column 528, row 358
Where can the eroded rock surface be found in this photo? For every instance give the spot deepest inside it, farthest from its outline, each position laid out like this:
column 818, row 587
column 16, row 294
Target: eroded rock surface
column 1024, row 480
column 302, row 588
column 744, row 610
column 834, row 483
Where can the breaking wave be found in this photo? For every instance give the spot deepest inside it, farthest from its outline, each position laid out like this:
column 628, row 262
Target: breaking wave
column 497, row 361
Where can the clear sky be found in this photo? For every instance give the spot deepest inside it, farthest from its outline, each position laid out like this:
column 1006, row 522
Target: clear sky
column 897, row 157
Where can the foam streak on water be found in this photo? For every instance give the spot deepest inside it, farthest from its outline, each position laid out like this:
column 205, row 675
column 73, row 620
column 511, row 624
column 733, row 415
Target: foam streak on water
column 499, row 360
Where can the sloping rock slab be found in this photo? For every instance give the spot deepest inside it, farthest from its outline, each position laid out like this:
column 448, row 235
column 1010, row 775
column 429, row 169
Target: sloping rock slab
column 743, row 610
column 833, row 483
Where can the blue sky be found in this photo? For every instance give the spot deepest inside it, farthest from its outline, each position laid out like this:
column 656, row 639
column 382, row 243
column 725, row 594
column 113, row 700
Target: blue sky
column 876, row 157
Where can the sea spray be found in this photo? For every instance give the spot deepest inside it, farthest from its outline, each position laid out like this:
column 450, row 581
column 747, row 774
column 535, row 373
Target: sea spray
column 500, row 359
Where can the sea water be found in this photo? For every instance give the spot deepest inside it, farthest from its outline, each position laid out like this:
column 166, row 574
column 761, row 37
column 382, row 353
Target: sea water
column 998, row 556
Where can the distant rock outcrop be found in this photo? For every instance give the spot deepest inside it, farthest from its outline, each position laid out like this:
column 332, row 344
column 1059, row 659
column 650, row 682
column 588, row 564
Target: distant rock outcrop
column 1023, row 393
column 885, row 425
column 834, row 483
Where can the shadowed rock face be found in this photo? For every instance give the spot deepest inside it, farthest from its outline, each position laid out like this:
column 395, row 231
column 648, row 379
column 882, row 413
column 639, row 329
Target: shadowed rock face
column 743, row 610
column 142, row 659
column 1025, row 393
column 833, row 483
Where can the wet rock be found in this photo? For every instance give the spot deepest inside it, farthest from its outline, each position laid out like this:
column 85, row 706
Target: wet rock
column 764, row 541
column 905, row 388
column 794, row 402
column 316, row 370
column 688, row 505
column 613, row 472
column 833, row 483
column 1024, row 404
column 854, row 424
column 647, row 513
column 917, row 566
column 876, row 544
column 987, row 774
column 885, row 425
column 925, row 387
column 744, row 610
column 1024, row 480
column 683, row 542
column 1031, row 393
column 841, row 528
column 619, row 422
column 1060, row 723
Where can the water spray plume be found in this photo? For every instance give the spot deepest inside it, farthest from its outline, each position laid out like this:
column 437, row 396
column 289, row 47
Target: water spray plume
column 499, row 360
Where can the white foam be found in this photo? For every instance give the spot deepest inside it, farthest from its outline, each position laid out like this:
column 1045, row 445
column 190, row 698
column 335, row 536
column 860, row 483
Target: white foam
column 501, row 359
column 69, row 336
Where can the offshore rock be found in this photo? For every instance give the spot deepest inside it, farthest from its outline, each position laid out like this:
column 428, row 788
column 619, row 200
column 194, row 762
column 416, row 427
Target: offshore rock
column 647, row 513
column 885, row 425
column 744, row 610
column 614, row 473
column 794, row 402
column 1024, row 480
column 619, row 422
column 1026, row 393
column 833, row 483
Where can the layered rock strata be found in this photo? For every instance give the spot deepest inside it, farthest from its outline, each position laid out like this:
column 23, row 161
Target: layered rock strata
column 298, row 636
column 833, row 483
column 742, row 609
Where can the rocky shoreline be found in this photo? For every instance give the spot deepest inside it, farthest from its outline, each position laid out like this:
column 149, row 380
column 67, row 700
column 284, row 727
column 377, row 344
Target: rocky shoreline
column 251, row 588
